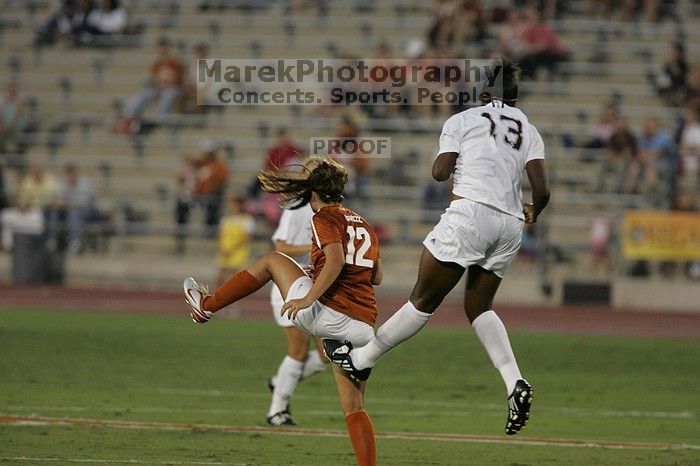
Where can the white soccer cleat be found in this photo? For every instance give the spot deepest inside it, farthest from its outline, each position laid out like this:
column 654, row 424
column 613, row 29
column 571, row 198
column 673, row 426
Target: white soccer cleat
column 194, row 295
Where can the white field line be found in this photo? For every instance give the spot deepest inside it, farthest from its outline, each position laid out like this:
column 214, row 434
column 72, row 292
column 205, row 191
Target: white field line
column 683, row 415
column 461, row 438
column 30, row 459
column 452, row 407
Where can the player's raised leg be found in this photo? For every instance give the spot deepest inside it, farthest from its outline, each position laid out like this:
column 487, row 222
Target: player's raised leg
column 360, row 428
column 478, row 302
column 435, row 280
column 275, row 266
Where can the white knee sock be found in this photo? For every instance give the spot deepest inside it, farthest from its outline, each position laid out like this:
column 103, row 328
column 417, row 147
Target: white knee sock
column 313, row 364
column 493, row 336
column 405, row 323
column 288, row 375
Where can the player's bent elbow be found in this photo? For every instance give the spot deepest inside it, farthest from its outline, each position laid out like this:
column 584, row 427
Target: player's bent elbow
column 440, row 174
column 444, row 165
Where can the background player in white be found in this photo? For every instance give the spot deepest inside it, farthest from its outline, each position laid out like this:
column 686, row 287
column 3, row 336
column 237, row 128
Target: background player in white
column 293, row 238
column 487, row 148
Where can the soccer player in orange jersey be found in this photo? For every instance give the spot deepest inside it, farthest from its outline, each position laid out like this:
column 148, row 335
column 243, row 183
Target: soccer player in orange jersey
column 338, row 303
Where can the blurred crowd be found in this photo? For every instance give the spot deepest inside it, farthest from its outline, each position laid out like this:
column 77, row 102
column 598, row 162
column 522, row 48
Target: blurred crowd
column 170, row 84
column 659, row 160
column 36, row 201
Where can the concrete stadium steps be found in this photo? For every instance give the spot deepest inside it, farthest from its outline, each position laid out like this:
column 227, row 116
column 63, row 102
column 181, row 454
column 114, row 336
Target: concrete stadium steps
column 85, row 91
column 157, row 264
column 566, row 106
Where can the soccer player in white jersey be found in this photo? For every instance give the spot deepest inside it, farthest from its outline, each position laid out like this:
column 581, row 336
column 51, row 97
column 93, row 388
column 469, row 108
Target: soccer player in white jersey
column 293, row 238
column 486, row 148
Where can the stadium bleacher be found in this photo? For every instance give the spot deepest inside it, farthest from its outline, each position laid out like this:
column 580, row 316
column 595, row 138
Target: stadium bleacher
column 78, row 91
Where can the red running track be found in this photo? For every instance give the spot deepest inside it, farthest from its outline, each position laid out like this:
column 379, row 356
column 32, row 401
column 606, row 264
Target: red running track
column 564, row 319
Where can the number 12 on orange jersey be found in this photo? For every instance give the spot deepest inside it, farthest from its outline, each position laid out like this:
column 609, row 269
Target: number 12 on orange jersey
column 358, row 257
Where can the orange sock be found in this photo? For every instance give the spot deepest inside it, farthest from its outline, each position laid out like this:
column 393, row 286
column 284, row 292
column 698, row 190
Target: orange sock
column 361, row 433
column 239, row 286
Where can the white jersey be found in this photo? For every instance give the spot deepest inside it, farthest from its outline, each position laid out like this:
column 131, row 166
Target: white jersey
column 494, row 142
column 295, row 229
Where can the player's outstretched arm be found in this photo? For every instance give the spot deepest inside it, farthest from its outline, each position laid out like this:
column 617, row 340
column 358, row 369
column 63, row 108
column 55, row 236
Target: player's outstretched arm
column 537, row 174
column 444, row 165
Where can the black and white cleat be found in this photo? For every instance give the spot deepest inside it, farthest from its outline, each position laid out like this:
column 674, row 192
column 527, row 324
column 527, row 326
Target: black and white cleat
column 339, row 353
column 519, row 404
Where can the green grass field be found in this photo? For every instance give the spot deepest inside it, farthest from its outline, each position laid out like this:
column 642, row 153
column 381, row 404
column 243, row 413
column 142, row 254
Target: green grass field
column 166, row 391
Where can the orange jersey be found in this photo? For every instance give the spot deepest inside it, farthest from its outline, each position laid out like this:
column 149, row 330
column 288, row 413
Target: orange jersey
column 352, row 292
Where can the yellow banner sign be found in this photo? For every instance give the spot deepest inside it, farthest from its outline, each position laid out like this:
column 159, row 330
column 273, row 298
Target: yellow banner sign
column 657, row 235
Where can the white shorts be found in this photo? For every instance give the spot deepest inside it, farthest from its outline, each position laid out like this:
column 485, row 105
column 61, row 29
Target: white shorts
column 276, row 302
column 470, row 233
column 322, row 321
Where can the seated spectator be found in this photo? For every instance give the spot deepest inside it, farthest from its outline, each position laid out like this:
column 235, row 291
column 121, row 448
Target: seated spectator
column 671, row 81
column 470, row 24
column 196, row 96
column 382, row 57
column 212, row 175
column 14, row 119
column 690, row 151
column 456, row 23
column 658, row 159
column 440, row 14
column 58, row 25
column 607, row 124
column 164, row 87
column 80, row 19
column 284, row 152
column 543, row 47
column 74, row 205
column 359, row 163
column 510, row 35
column 20, row 219
column 692, row 93
column 235, row 233
column 110, row 18
column 621, row 169
column 37, row 189
column 647, row 9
